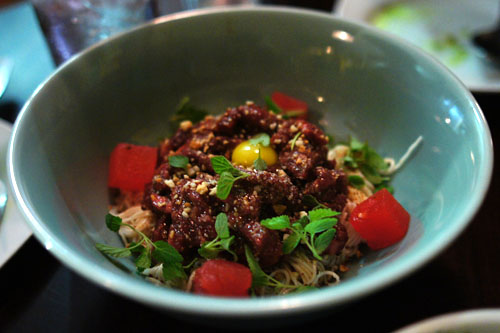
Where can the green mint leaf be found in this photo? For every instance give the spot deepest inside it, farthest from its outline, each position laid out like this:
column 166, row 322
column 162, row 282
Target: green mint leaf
column 356, row 145
column 135, row 247
column 272, row 106
column 303, row 221
column 186, row 111
column 208, row 252
column 224, row 185
column 350, row 162
column 173, row 270
column 372, row 175
column 320, row 213
column 299, row 226
column 373, row 159
column 143, row 261
column 259, row 278
column 320, row 225
column 113, row 222
column 259, row 164
column 311, row 201
column 164, row 252
column 222, row 226
column 277, row 222
column 220, row 164
column 290, row 243
column 227, row 174
column 226, row 243
column 292, row 145
column 356, row 181
column 178, row 161
column 262, row 139
column 117, row 252
column 324, row 240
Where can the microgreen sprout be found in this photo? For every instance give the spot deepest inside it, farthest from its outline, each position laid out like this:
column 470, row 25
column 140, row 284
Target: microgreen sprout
column 316, row 230
column 223, row 241
column 228, row 174
column 147, row 250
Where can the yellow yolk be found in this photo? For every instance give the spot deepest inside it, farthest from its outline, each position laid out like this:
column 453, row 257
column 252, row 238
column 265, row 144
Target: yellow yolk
column 246, row 153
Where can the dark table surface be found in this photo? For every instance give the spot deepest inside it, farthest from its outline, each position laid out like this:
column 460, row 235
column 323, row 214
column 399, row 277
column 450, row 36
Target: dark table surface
column 37, row 293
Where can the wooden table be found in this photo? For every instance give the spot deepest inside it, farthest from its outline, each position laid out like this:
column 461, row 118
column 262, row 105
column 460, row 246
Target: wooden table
column 40, row 294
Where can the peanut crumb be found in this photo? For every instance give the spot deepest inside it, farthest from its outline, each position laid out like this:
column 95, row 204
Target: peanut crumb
column 185, row 125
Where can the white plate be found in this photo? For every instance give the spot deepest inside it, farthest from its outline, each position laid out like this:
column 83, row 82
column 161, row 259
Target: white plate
column 443, row 28
column 474, row 321
column 13, row 230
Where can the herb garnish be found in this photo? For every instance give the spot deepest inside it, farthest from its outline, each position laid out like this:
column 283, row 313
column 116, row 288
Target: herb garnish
column 259, row 163
column 186, row 111
column 260, row 278
column 223, row 241
column 160, row 251
column 261, row 140
column 292, row 145
column 319, row 222
column 228, row 174
column 311, row 201
column 178, row 161
column 368, row 161
column 356, row 181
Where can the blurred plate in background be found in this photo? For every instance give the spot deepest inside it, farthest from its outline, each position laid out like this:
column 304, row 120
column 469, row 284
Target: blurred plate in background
column 473, row 321
column 13, row 230
column 443, row 28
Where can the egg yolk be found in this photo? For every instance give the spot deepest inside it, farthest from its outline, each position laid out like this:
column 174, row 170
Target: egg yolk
column 246, row 153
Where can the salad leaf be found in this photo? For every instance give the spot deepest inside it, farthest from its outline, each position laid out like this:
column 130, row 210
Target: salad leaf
column 259, row 164
column 291, row 242
column 222, row 226
column 261, row 139
column 318, row 222
column 276, row 223
column 113, row 222
column 323, row 241
column 178, row 161
column 228, row 175
column 356, row 181
column 222, row 242
column 367, row 160
column 146, row 249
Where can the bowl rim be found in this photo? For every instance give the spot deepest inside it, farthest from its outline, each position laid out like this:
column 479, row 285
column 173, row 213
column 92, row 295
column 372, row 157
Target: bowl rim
column 183, row 302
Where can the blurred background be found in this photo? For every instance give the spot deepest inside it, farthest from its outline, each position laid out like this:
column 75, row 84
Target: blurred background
column 36, row 36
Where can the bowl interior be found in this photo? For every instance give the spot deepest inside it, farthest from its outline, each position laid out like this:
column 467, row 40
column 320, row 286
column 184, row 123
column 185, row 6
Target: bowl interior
column 356, row 80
